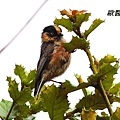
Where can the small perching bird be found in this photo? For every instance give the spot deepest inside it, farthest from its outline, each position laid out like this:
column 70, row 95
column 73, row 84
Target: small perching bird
column 54, row 59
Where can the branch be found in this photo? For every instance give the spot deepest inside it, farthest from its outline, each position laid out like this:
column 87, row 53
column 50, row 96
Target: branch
column 104, row 95
column 78, row 32
column 12, row 106
column 94, row 70
column 92, row 66
column 81, row 86
column 101, row 90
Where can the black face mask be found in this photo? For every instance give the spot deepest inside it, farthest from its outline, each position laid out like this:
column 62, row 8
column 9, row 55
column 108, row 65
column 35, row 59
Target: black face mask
column 52, row 31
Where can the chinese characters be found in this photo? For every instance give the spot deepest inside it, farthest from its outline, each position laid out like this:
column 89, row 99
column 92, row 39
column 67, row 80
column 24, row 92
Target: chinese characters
column 113, row 13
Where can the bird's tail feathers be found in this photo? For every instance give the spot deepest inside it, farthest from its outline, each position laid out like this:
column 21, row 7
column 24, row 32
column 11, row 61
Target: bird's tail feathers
column 37, row 91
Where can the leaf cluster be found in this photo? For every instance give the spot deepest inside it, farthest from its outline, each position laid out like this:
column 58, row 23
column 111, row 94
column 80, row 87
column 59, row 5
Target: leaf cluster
column 53, row 99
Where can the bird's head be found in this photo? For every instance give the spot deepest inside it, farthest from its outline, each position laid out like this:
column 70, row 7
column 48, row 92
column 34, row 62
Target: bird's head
column 51, row 33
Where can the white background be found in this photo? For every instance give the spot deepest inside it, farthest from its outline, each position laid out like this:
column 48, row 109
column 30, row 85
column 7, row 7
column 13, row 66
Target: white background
column 25, row 48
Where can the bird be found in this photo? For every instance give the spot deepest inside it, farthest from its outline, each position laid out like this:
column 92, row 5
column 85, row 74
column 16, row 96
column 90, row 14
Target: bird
column 54, row 59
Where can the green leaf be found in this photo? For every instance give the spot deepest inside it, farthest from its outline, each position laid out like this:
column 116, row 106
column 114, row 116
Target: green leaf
column 23, row 96
column 19, row 97
column 23, row 110
column 88, row 114
column 30, row 77
column 80, row 80
column 13, row 88
column 106, row 74
column 80, row 18
column 104, row 114
column 76, row 43
column 107, row 60
column 116, row 114
column 93, row 26
column 108, row 82
column 30, row 80
column 94, row 101
column 5, row 106
column 55, row 104
column 103, row 118
column 108, row 70
column 66, row 87
column 20, row 71
column 36, row 105
column 65, row 23
column 115, row 89
column 27, row 79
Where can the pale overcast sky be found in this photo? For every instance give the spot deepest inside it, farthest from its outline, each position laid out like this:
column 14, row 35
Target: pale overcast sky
column 26, row 47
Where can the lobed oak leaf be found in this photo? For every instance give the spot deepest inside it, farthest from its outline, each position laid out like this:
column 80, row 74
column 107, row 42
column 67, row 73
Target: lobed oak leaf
column 56, row 104
column 93, row 26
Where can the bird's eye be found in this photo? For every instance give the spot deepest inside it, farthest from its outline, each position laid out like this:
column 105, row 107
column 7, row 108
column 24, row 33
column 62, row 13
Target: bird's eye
column 51, row 34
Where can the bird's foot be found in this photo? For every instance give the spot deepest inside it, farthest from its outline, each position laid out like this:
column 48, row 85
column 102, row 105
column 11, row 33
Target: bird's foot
column 56, row 82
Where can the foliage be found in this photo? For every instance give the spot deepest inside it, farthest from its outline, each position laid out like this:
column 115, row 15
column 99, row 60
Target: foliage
column 54, row 100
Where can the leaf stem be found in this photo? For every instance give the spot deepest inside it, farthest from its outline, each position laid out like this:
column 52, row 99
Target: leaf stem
column 84, row 92
column 12, row 106
column 106, row 98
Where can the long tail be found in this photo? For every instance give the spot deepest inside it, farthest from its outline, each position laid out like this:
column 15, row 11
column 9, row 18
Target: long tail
column 38, row 86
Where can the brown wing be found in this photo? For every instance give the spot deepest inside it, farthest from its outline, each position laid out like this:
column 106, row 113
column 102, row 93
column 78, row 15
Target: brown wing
column 46, row 50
